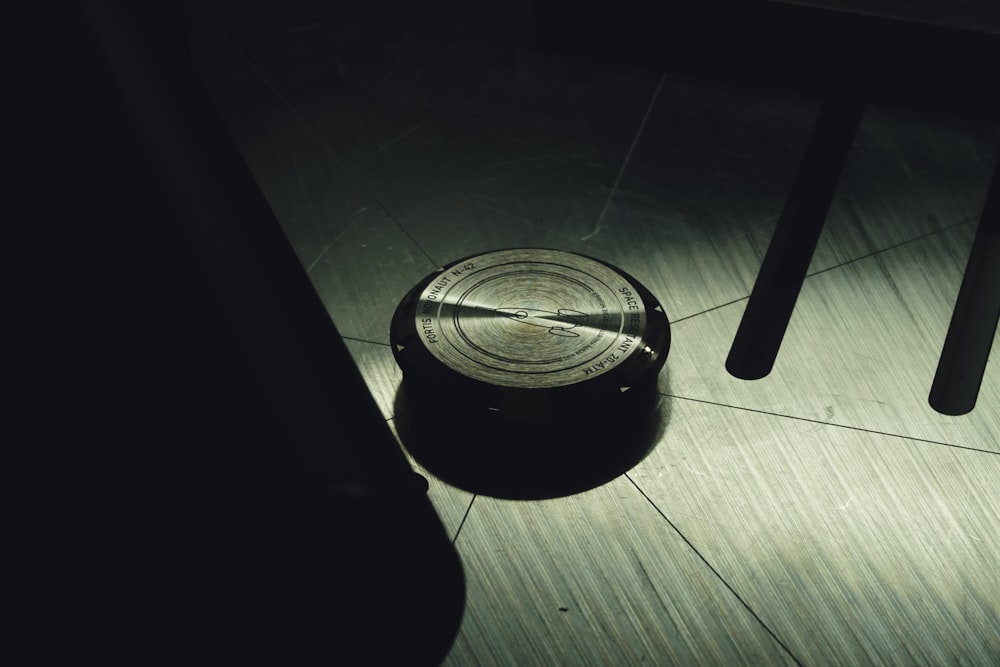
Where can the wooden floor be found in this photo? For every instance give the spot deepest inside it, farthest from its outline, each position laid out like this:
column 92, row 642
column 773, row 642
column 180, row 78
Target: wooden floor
column 823, row 515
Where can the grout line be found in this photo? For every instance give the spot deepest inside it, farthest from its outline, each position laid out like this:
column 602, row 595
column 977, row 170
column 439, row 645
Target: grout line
column 708, row 310
column 365, row 340
column 823, row 423
column 468, row 509
column 464, row 517
column 308, row 127
column 894, row 246
column 714, row 571
column 628, row 156
column 868, row 255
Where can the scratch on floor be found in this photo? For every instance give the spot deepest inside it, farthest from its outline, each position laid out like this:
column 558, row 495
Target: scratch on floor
column 321, row 255
column 487, row 203
column 850, row 501
column 522, row 160
column 402, row 135
column 628, row 156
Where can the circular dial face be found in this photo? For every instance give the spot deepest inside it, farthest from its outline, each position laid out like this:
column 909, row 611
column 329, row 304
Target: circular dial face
column 531, row 318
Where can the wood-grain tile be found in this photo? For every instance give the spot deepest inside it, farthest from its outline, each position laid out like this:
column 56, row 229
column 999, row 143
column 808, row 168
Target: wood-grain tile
column 853, row 547
column 860, row 350
column 596, row 579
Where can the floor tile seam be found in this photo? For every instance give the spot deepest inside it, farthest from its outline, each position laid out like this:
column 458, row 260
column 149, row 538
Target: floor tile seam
column 834, row 425
column 715, row 572
column 840, row 265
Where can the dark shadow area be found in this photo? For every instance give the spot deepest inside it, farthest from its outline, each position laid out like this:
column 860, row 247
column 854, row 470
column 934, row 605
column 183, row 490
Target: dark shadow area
column 479, row 453
column 197, row 472
column 935, row 66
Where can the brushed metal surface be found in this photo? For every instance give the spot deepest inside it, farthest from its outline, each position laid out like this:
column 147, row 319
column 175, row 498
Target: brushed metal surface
column 822, row 515
column 531, row 318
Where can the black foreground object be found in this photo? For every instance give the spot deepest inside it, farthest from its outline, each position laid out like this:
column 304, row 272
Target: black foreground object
column 220, row 487
column 528, row 372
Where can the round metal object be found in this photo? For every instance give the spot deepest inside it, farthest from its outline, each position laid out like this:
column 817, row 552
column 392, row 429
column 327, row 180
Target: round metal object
column 529, row 334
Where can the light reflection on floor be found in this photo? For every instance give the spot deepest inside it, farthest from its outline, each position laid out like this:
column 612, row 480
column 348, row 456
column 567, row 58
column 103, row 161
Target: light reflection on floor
column 822, row 515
